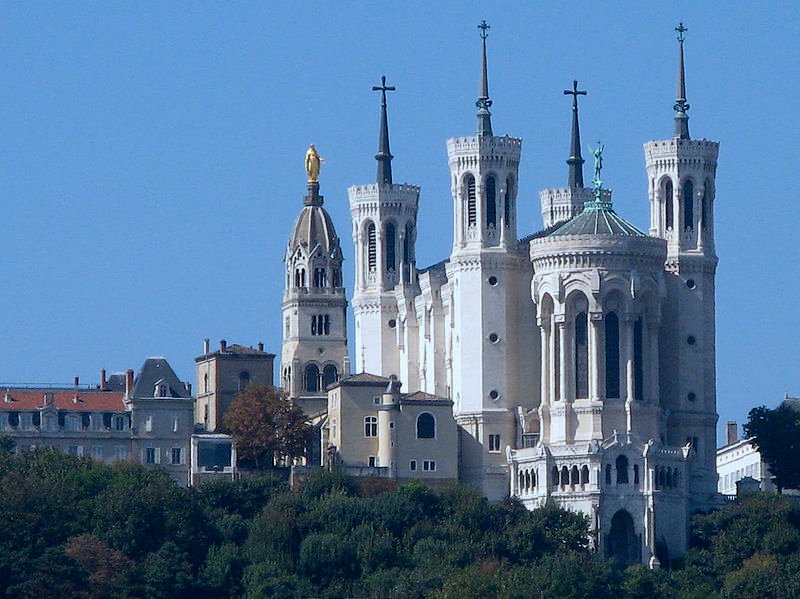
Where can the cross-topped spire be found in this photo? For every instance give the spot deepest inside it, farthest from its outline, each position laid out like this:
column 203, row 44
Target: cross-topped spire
column 384, row 156
column 681, row 105
column 575, row 161
column 483, row 103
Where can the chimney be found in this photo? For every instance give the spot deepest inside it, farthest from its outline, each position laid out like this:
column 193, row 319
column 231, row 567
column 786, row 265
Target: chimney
column 128, row 383
column 77, row 382
column 223, row 345
column 260, row 346
column 206, row 346
column 103, row 381
column 188, row 386
column 733, row 432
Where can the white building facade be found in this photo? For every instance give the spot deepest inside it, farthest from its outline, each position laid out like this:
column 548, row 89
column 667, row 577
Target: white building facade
column 580, row 360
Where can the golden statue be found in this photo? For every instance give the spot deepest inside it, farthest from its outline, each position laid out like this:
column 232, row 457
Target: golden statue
column 313, row 162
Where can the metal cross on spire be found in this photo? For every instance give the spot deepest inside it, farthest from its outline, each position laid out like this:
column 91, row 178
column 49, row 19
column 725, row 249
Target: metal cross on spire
column 383, row 88
column 575, row 161
column 483, row 27
column 384, row 156
column 681, row 30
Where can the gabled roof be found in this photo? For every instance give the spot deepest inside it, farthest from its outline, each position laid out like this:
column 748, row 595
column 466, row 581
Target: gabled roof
column 422, row 396
column 158, row 371
column 62, row 399
column 364, row 378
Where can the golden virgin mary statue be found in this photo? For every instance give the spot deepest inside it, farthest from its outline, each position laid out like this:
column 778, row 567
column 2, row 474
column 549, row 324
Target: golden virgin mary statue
column 313, row 162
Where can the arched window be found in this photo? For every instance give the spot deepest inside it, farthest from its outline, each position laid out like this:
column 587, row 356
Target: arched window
column 320, row 279
column 584, row 475
column 244, row 380
column 574, row 477
column 390, row 239
column 608, row 474
column 507, row 202
column 688, row 205
column 407, row 257
column 705, row 207
column 581, row 357
column 297, row 277
column 205, row 383
column 668, row 207
column 329, row 375
column 426, row 426
column 554, row 476
column 472, row 209
column 638, row 357
column 636, row 474
column 312, row 378
column 372, row 248
column 491, row 203
column 370, row 426
column 564, row 477
column 612, row 354
column 622, row 470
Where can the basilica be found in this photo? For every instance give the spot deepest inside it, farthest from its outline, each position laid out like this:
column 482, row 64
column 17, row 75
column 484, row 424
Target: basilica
column 578, row 361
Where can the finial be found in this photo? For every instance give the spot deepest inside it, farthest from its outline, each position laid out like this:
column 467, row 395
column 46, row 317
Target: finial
column 575, row 161
column 313, row 163
column 384, row 156
column 681, row 105
column 598, row 166
column 483, row 103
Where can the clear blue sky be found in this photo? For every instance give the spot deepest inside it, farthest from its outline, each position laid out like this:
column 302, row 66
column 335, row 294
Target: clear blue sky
column 152, row 156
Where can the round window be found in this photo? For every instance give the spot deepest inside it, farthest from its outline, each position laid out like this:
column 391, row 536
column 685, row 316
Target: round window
column 392, row 323
column 493, row 280
column 691, row 396
column 494, row 394
column 691, row 340
column 493, row 337
column 690, row 283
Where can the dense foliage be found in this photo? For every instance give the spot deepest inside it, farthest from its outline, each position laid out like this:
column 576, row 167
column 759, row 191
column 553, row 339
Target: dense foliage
column 776, row 435
column 71, row 527
column 267, row 426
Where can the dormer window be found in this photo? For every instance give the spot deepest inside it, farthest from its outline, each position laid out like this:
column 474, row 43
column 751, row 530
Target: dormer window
column 160, row 390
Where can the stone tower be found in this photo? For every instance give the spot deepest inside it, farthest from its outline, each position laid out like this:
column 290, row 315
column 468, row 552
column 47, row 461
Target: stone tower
column 314, row 350
column 681, row 174
column 384, row 232
column 489, row 277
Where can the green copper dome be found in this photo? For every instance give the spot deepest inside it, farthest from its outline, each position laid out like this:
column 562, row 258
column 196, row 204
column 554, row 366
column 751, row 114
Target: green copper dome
column 597, row 218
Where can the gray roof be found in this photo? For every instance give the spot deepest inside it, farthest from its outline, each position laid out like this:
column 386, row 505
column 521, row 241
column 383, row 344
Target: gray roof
column 597, row 218
column 157, row 371
column 313, row 228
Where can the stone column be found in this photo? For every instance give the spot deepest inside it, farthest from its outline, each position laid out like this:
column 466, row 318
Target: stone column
column 595, row 355
column 544, row 325
column 627, row 353
column 563, row 379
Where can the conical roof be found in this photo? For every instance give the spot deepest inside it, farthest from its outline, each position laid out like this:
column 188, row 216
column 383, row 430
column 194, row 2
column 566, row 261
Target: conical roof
column 597, row 218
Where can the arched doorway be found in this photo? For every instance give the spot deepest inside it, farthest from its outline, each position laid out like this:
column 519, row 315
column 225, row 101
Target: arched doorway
column 622, row 542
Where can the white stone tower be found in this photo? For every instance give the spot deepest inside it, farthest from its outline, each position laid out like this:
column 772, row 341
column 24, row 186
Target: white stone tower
column 681, row 174
column 491, row 312
column 384, row 233
column 314, row 351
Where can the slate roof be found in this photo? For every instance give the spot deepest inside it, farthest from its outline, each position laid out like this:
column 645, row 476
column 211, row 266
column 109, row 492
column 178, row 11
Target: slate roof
column 597, row 218
column 313, row 228
column 153, row 372
column 63, row 399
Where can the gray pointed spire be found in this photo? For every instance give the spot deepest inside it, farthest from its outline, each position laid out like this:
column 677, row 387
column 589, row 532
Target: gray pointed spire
column 681, row 105
column 483, row 103
column 575, row 160
column 384, row 156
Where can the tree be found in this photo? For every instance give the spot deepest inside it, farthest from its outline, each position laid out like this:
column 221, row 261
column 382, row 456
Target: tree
column 266, row 425
column 776, row 435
